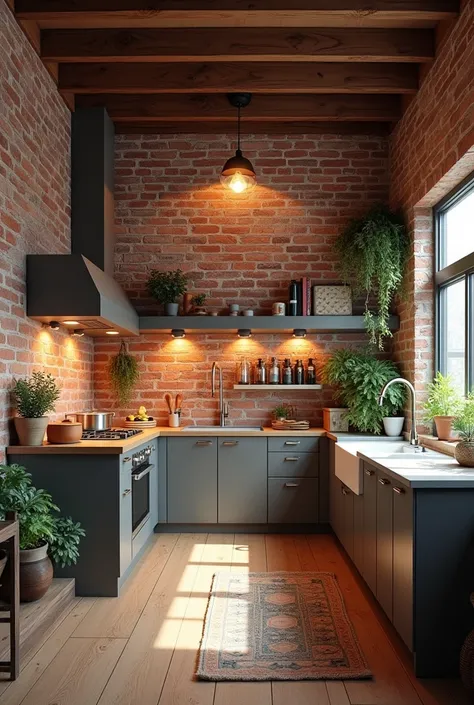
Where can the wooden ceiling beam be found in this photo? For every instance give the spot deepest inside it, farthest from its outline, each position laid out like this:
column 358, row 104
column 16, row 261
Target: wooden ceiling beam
column 255, row 128
column 235, row 13
column 239, row 44
column 239, row 76
column 263, row 108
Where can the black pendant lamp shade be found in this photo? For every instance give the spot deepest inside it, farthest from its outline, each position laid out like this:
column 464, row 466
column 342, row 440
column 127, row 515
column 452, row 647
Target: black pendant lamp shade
column 238, row 174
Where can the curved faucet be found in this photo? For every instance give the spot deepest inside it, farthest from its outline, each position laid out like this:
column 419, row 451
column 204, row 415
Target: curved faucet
column 223, row 409
column 401, row 380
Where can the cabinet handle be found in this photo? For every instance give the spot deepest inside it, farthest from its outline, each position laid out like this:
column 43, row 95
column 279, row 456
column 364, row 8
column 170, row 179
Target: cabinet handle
column 126, row 493
column 344, row 491
column 383, row 481
column 292, row 443
column 291, row 459
column 369, row 472
column 399, row 490
column 230, row 443
column 291, row 484
column 204, row 443
column 126, row 460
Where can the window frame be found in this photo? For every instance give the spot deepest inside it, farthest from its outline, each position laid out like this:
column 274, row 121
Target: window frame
column 461, row 270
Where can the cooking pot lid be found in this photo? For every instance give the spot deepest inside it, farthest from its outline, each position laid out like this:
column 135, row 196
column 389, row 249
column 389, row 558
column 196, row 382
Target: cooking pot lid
column 92, row 413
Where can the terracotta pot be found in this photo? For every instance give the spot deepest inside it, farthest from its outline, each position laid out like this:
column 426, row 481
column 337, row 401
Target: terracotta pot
column 393, row 425
column 64, row 432
column 187, row 303
column 3, row 561
column 36, row 573
column 464, row 453
column 31, row 431
column 444, row 427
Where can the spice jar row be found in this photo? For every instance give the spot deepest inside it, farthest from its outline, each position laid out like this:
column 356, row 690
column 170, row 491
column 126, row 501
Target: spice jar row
column 276, row 372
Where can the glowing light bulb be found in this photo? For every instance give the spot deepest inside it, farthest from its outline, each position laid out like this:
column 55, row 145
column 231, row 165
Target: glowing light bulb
column 237, row 183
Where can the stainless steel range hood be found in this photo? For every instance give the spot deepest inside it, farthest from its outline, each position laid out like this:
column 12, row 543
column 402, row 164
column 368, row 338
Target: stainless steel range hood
column 80, row 286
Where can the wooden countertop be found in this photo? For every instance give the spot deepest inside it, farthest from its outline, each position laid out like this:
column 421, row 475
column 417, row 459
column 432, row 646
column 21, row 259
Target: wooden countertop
column 148, row 434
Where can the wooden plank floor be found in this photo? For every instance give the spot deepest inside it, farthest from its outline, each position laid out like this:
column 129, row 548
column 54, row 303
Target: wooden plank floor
column 140, row 649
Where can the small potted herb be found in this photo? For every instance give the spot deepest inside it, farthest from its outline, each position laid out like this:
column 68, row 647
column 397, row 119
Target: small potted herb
column 34, row 398
column 198, row 302
column 44, row 534
column 442, row 405
column 464, row 425
column 283, row 412
column 166, row 288
column 393, row 423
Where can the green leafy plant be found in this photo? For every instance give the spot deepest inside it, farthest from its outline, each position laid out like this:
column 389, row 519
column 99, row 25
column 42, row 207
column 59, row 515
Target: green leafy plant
column 124, row 374
column 464, row 421
column 373, row 252
column 443, row 398
column 359, row 378
column 167, row 287
column 38, row 516
column 199, row 300
column 283, row 411
column 36, row 396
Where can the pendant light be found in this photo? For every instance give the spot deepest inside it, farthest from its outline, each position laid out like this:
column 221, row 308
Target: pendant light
column 238, row 174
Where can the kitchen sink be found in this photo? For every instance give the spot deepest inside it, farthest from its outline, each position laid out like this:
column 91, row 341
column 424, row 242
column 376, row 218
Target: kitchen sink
column 222, row 429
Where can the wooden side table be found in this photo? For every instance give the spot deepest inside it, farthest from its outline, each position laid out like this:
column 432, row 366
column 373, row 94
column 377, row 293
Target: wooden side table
column 10, row 539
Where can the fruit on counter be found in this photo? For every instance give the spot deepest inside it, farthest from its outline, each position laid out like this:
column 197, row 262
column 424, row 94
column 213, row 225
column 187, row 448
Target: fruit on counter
column 141, row 416
column 142, row 411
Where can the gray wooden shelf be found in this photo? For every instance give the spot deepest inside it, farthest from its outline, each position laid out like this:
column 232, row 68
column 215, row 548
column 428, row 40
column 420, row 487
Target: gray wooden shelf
column 269, row 324
column 271, row 387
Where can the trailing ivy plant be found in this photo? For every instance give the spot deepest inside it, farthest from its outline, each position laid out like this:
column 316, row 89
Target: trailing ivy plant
column 373, row 252
column 359, row 378
column 124, row 374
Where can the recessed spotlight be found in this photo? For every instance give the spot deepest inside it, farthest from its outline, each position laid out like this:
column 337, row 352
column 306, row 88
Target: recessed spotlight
column 244, row 333
column 77, row 332
column 299, row 333
column 54, row 325
column 71, row 323
column 111, row 332
column 178, row 333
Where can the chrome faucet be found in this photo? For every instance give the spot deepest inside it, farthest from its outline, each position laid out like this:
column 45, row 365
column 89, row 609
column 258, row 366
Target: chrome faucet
column 401, row 380
column 223, row 407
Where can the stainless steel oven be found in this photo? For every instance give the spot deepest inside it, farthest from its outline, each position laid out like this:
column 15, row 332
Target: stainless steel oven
column 141, row 467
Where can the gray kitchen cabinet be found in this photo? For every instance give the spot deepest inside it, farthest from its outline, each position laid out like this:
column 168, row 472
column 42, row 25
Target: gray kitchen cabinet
column 347, row 519
column 300, row 444
column 385, row 543
column 192, row 480
column 293, row 464
column 293, row 500
column 369, row 540
column 125, row 519
column 242, row 480
column 358, row 531
column 403, row 562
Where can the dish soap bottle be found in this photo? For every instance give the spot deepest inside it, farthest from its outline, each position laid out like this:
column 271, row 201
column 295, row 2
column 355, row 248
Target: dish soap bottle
column 274, row 372
column 311, row 372
column 299, row 372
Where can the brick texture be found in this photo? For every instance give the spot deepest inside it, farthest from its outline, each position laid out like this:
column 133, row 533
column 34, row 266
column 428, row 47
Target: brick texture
column 431, row 151
column 172, row 212
column 34, row 218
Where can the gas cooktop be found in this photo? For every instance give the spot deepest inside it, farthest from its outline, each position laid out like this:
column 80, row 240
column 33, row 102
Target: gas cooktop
column 112, row 434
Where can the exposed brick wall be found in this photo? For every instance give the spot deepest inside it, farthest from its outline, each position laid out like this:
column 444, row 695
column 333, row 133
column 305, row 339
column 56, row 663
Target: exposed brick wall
column 34, row 218
column 172, row 212
column 431, row 150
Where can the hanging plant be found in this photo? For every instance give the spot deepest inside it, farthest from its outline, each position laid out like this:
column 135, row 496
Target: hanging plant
column 124, row 374
column 373, row 252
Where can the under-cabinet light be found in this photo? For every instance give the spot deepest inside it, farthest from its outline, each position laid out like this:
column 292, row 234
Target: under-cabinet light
column 244, row 333
column 299, row 333
column 111, row 332
column 178, row 333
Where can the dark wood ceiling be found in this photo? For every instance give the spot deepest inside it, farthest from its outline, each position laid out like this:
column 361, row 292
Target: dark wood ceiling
column 166, row 65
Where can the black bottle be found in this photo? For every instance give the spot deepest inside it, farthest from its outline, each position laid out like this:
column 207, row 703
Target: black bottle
column 287, row 373
column 293, row 298
column 311, row 372
column 299, row 372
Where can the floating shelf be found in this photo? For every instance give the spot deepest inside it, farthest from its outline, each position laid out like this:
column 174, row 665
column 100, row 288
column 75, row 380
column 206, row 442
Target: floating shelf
column 271, row 387
column 268, row 324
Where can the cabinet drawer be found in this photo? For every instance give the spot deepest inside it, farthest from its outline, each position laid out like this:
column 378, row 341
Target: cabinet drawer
column 292, row 500
column 298, row 443
column 292, row 464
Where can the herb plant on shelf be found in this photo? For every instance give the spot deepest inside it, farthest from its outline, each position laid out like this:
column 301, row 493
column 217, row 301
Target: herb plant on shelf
column 373, row 253
column 464, row 425
column 359, row 378
column 442, row 405
column 167, row 287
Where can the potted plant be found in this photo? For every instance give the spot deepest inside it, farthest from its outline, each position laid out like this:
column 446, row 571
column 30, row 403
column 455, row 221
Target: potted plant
column 373, row 252
column 166, row 288
column 124, row 374
column 442, row 405
column 198, row 302
column 34, row 398
column 464, row 425
column 359, row 378
column 44, row 535
column 282, row 412
column 393, row 424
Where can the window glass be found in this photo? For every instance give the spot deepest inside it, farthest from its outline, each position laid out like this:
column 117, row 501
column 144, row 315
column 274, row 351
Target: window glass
column 453, row 334
column 459, row 230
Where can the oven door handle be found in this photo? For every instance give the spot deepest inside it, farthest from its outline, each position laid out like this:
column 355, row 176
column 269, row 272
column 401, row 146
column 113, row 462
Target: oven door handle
column 142, row 474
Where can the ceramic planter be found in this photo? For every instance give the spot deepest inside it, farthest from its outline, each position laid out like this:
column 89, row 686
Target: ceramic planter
column 36, row 573
column 171, row 309
column 464, row 453
column 444, row 427
column 393, row 425
column 31, row 431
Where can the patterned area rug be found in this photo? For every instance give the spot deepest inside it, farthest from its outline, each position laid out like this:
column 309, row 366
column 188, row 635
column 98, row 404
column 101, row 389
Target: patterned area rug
column 278, row 626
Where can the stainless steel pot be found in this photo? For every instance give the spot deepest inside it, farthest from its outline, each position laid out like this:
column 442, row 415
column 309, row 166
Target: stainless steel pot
column 94, row 420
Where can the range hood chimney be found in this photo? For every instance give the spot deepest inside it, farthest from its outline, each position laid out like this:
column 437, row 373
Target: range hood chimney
column 80, row 286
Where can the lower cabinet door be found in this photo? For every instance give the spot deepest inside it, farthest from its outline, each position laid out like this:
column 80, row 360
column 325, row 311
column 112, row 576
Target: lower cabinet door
column 369, row 498
column 242, row 480
column 293, row 500
column 192, row 480
column 358, row 542
column 403, row 562
column 385, row 543
column 125, row 511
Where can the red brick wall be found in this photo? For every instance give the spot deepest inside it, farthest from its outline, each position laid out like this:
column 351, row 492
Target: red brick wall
column 34, row 218
column 431, row 150
column 172, row 212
